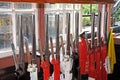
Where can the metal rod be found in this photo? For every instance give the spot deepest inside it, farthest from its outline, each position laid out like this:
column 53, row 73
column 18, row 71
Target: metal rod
column 62, row 44
column 57, row 35
column 14, row 56
column 99, row 29
column 105, row 28
column 21, row 49
column 27, row 30
column 46, row 38
column 71, row 42
column 92, row 30
column 68, row 33
column 77, row 29
column 52, row 51
column 27, row 50
column 34, row 41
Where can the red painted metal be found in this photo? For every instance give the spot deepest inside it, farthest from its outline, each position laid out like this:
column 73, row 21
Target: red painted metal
column 92, row 52
column 84, row 57
column 98, row 49
column 56, row 65
column 55, row 62
column 104, row 55
column 98, row 63
column 92, row 64
column 104, row 49
column 46, row 69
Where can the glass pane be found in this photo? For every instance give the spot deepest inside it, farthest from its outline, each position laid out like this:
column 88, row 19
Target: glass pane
column 5, row 30
column 4, row 5
column 54, row 6
column 66, row 20
column 23, row 6
column 51, row 6
column 61, row 27
column 115, row 23
column 26, row 25
column 51, row 25
column 85, row 9
column 77, row 6
column 87, row 25
column 69, row 6
column 89, row 8
column 60, row 6
column 86, row 22
column 95, row 8
column 47, row 6
column 115, row 0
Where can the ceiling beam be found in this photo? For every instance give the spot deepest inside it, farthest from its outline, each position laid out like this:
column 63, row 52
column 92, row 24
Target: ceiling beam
column 64, row 1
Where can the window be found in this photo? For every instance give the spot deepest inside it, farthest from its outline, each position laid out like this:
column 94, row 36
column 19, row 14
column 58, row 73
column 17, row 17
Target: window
column 9, row 24
column 26, row 25
column 86, row 10
column 62, row 9
column 51, row 25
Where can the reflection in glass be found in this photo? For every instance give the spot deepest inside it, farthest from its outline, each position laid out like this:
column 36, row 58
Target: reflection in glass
column 26, row 25
column 51, row 6
column 77, row 6
column 5, row 30
column 54, row 6
column 69, row 6
column 52, row 27
column 86, row 21
column 23, row 6
column 4, row 5
column 61, row 24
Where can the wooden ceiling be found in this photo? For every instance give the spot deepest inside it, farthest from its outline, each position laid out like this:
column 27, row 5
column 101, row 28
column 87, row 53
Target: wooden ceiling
column 64, row 1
